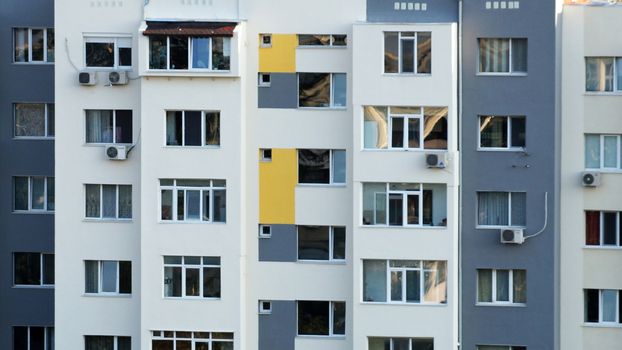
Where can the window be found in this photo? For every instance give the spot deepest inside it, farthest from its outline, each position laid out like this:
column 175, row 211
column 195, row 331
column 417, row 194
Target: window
column 322, row 90
column 501, row 132
column 108, row 201
column 603, row 74
column 33, row 269
column 264, row 80
column 265, row 307
column 193, row 200
column 192, row 277
column 500, row 347
column 108, row 126
column 171, row 340
column 405, row 281
column 266, row 154
column 322, row 39
column 404, row 204
column 377, row 343
column 327, row 318
column 33, row 338
column 602, row 306
column 34, row 120
column 602, row 228
column 107, row 277
column 107, row 52
column 33, row 45
column 603, row 152
column 266, row 40
column 265, row 231
column 33, row 193
column 501, row 286
column 321, row 166
column 107, row 342
column 501, row 208
column 321, row 243
column 408, row 52
column 192, row 128
column 189, row 53
column 503, row 56
column 413, row 128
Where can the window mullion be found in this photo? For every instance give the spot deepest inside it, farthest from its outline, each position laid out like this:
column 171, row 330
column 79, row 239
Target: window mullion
column 45, row 193
column 114, row 126
column 183, row 278
column 201, row 279
column 405, row 131
column 601, row 219
column 29, row 193
column 100, row 277
column 183, row 128
column 415, row 44
column 190, row 55
column 510, row 56
column 494, row 285
column 41, row 269
column 509, row 132
column 174, row 191
column 330, row 318
column 511, row 286
column 331, row 242
column 386, row 204
column 29, row 45
column 404, row 208
column 399, row 52
column 510, row 208
column 420, row 212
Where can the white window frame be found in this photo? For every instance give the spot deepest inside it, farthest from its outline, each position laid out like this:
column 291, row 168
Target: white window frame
column 262, row 234
column 261, row 82
column 46, row 333
column 510, row 71
column 415, row 39
column 185, row 266
column 41, row 271
column 601, row 308
column 508, row 131
column 103, row 38
column 392, row 339
column 190, row 56
column 404, row 194
column 183, row 129
column 331, row 245
column 331, row 103
column 510, row 224
column 601, row 155
column 114, row 127
column 115, row 339
column 175, row 188
column 263, row 310
column 45, row 46
column 331, row 320
column 192, row 338
column 331, row 174
column 45, row 195
column 100, row 277
column 614, row 87
column 494, row 289
column 508, row 347
column 331, row 43
column 602, row 229
column 403, row 271
column 261, row 42
column 264, row 156
column 46, row 115
column 101, row 203
column 405, row 129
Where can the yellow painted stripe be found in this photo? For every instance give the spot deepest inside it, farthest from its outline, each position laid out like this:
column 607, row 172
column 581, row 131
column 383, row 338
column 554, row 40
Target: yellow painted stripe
column 281, row 56
column 277, row 185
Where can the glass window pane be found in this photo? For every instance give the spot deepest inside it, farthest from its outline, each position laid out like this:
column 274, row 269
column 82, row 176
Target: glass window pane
column 435, row 128
column 519, row 55
column 99, row 54
column 374, row 204
column 401, row 343
column 591, row 305
column 518, row 132
column 180, row 205
column 424, row 52
column 48, row 268
column 109, row 276
column 193, row 205
column 91, row 276
column 20, row 338
column 212, row 128
column 619, row 73
column 123, row 126
column 519, row 209
column 592, row 151
column 221, row 53
column 124, row 343
column 211, row 282
column 376, row 343
column 339, row 318
column 92, row 201
column 174, row 128
column 484, row 286
column 339, row 40
column 200, row 53
column 313, row 243
column 167, row 205
column 413, row 210
column 179, row 52
column 193, row 282
column 99, row 126
column 172, row 281
column 339, row 89
column 396, row 209
column 125, row 277
column 220, row 205
column 109, row 201
column 125, row 51
column 37, row 337
column 37, row 45
column 21, row 44
column 339, row 166
column 435, row 279
column 492, row 208
column 423, row 344
column 503, row 285
column 313, row 40
column 21, row 193
column 50, row 46
column 339, row 243
column 493, row 131
column 98, row 342
column 413, row 286
column 408, row 56
column 51, row 120
column 220, row 345
column 599, row 74
column 27, row 268
column 610, row 153
column 157, row 52
column 49, row 331
column 396, row 285
column 313, row 89
column 610, row 220
column 397, row 132
column 206, row 205
column 610, row 305
column 390, row 52
column 192, row 128
column 413, row 132
column 50, row 193
column 313, row 166
column 162, row 345
column 125, row 201
column 519, row 284
column 313, row 317
column 375, row 127
column 30, row 119
column 375, row 280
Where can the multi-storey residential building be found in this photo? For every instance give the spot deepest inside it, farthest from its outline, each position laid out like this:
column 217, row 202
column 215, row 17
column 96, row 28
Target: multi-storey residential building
column 508, row 143
column 27, row 175
column 591, row 311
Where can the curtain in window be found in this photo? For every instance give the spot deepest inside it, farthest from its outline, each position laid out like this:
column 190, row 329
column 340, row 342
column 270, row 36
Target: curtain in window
column 599, row 74
column 212, row 128
column 492, row 208
column 375, row 280
column 519, row 208
column 375, row 127
column 610, row 299
column 592, row 227
column 109, row 201
column 503, row 285
column 92, row 201
column 91, row 276
column 37, row 192
column 493, row 131
column 592, row 151
column 619, row 73
column 98, row 342
column 174, row 128
column 391, row 55
column 520, row 286
column 484, row 285
column 125, row 201
column 494, row 55
column 314, row 89
column 99, row 126
column 610, row 154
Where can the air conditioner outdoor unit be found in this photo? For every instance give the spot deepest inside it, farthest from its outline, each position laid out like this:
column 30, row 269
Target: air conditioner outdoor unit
column 87, row 78
column 436, row 160
column 118, row 78
column 116, row 152
column 590, row 178
column 512, row 236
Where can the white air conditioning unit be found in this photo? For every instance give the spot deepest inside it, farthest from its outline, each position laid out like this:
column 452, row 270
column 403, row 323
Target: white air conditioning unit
column 87, row 78
column 512, row 236
column 118, row 78
column 116, row 152
column 436, row 160
column 590, row 178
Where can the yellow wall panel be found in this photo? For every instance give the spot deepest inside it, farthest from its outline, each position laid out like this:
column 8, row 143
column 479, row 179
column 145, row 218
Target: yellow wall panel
column 281, row 56
column 277, row 185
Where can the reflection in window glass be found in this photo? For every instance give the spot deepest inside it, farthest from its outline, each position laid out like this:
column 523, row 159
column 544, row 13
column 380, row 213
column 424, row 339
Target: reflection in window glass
column 391, row 55
column 599, row 74
column 37, row 44
column 178, row 48
column 157, row 52
column 99, row 54
column 200, row 53
column 339, row 90
column 221, row 53
column 30, row 119
column 21, row 44
column 313, row 166
column 375, row 127
column 314, row 89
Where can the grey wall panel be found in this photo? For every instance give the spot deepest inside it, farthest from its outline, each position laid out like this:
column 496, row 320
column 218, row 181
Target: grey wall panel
column 533, row 172
column 436, row 11
column 282, row 92
column 281, row 246
column 277, row 331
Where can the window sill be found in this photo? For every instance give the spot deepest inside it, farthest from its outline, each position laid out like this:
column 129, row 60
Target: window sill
column 483, row 227
column 26, row 138
column 397, row 150
column 312, row 336
column 331, row 108
column 602, row 93
column 605, row 170
column 192, row 147
column 498, row 149
column 107, row 295
column 99, row 144
column 403, row 227
column 186, row 222
column 403, row 304
column 483, row 74
column 33, row 63
column 191, row 298
column 187, row 73
column 106, row 69
column 501, row 304
column 335, row 185
column 322, row 262
column 322, row 47
column 127, row 221
column 602, row 325
column 602, row 247
column 410, row 75
column 33, row 286
column 35, row 212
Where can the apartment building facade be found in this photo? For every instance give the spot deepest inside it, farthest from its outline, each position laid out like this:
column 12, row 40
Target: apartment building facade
column 590, row 182
column 27, row 175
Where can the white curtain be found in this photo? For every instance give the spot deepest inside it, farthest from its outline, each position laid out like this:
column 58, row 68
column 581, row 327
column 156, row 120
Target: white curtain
column 125, row 201
column 494, row 55
column 109, row 201
column 99, row 126
column 492, row 208
column 375, row 280
column 484, row 285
